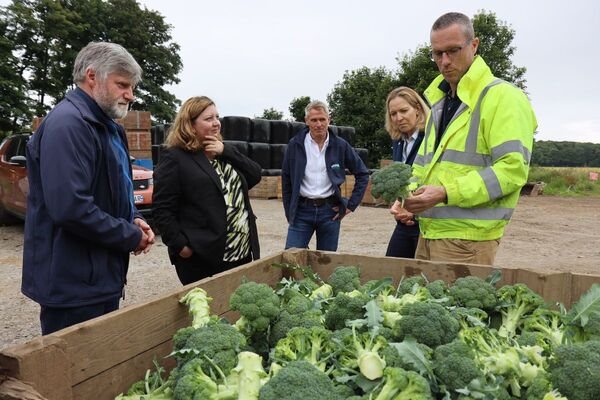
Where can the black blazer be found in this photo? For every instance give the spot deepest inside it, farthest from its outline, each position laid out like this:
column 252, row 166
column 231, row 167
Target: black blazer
column 188, row 204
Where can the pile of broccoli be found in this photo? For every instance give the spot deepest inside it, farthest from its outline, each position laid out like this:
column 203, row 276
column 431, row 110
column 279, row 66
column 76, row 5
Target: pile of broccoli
column 345, row 339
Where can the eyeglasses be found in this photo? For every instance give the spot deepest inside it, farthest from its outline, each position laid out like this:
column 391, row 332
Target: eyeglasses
column 436, row 55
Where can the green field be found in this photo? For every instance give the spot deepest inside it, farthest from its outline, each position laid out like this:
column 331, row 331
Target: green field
column 566, row 181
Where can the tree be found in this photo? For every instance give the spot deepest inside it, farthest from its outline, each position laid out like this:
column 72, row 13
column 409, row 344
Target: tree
column 271, row 113
column 47, row 35
column 359, row 101
column 416, row 69
column 495, row 38
column 297, row 106
column 14, row 103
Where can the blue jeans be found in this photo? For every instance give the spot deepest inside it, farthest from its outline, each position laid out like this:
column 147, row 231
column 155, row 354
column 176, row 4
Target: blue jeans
column 310, row 219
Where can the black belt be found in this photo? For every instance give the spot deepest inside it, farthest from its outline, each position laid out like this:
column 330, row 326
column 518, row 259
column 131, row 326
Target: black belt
column 318, row 202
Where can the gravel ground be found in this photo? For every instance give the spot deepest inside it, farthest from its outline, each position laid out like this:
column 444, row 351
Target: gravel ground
column 547, row 233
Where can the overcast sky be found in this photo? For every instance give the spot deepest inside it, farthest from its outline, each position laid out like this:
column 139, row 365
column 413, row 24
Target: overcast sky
column 251, row 55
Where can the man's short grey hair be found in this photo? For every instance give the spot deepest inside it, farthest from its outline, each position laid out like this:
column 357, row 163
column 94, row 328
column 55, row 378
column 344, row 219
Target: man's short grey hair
column 106, row 58
column 452, row 18
column 316, row 104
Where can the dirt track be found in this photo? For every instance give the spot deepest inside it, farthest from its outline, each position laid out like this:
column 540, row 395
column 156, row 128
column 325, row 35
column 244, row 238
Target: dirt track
column 546, row 233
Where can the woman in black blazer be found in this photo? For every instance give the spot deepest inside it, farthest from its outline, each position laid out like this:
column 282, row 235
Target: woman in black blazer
column 200, row 203
column 405, row 114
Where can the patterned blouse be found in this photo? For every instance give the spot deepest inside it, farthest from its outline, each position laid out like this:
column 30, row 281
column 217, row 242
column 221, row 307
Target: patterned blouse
column 237, row 243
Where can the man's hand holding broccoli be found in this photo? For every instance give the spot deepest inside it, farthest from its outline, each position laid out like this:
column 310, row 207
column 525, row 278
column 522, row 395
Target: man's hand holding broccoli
column 424, row 198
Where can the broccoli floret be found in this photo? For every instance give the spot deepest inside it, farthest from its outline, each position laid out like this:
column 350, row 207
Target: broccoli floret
column 455, row 366
column 539, row 387
column 470, row 317
column 243, row 383
column 428, row 323
column 198, row 303
column 193, row 383
column 407, row 285
column 549, row 324
column 375, row 287
column 499, row 356
column 438, row 289
column 218, row 342
column 345, row 307
column 472, row 292
column 257, row 303
column 391, row 182
column 299, row 380
column 345, row 391
column 575, row 370
column 393, row 303
column 181, row 336
column 403, row 385
column 344, row 279
column 311, row 344
column 288, row 320
column 515, row 302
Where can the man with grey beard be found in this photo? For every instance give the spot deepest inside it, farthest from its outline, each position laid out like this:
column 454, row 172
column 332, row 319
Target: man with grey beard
column 81, row 222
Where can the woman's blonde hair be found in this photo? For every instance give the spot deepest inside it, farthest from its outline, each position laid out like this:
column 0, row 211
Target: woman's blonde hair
column 182, row 133
column 411, row 98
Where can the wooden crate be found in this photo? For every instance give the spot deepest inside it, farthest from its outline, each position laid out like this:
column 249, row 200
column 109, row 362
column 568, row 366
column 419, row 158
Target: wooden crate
column 99, row 359
column 265, row 189
column 368, row 198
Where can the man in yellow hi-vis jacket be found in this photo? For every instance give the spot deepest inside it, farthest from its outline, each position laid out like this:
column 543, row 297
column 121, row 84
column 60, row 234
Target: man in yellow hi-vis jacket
column 475, row 156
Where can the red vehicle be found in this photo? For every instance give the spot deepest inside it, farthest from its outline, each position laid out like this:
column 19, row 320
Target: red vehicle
column 14, row 185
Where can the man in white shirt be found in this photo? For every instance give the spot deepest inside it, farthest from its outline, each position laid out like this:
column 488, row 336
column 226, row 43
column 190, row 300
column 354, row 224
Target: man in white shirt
column 313, row 169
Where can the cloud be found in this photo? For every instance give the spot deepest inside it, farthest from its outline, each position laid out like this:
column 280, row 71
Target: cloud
column 576, row 131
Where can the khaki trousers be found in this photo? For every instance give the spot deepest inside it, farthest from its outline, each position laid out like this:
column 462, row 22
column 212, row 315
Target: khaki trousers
column 457, row 250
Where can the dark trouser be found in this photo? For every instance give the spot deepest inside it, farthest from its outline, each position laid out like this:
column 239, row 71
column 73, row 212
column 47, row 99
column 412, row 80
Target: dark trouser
column 403, row 242
column 194, row 268
column 54, row 319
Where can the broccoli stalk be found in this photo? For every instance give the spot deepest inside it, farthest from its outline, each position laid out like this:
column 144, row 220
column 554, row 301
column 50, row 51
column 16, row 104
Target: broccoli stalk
column 198, row 303
column 554, row 395
column 325, row 291
column 251, row 375
column 361, row 351
column 152, row 387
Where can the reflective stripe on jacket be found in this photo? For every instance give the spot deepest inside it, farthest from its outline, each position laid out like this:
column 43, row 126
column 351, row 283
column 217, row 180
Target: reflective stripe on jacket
column 482, row 159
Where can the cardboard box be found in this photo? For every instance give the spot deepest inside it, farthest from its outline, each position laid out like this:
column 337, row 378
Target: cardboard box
column 101, row 358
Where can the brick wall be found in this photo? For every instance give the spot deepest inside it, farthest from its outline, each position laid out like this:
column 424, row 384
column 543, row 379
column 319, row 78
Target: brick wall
column 137, row 125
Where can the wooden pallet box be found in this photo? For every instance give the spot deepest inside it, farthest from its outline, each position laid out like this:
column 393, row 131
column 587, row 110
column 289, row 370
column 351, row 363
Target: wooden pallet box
column 101, row 358
column 265, row 189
